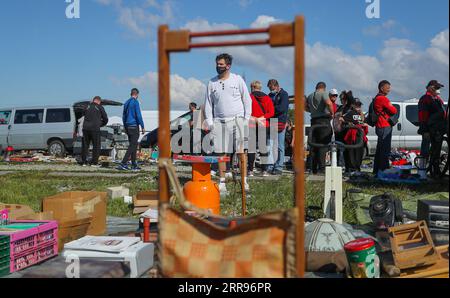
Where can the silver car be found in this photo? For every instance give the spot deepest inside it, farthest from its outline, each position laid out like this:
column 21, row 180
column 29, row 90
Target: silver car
column 51, row 128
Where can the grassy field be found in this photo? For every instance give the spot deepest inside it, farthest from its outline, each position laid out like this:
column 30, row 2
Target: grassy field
column 31, row 187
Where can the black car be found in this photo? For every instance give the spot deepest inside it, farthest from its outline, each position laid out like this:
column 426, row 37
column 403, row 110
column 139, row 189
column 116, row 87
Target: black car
column 150, row 140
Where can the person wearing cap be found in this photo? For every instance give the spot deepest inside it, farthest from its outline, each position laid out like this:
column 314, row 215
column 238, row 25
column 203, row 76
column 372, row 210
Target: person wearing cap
column 94, row 118
column 333, row 97
column 322, row 111
column 132, row 120
column 432, row 124
column 354, row 120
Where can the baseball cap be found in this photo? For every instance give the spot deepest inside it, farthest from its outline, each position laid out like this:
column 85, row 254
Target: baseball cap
column 358, row 102
column 334, row 92
column 434, row 83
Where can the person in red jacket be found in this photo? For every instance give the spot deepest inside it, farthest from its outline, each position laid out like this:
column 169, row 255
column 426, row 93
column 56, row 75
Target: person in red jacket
column 432, row 124
column 262, row 110
column 386, row 120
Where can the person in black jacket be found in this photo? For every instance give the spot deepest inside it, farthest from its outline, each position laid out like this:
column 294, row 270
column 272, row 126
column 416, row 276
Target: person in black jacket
column 94, row 118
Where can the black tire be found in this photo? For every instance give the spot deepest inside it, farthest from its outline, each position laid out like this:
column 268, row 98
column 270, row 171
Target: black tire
column 57, row 148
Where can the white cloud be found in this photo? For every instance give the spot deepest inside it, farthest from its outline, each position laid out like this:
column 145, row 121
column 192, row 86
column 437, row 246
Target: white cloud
column 401, row 61
column 388, row 27
column 200, row 24
column 405, row 64
column 439, row 48
column 264, row 21
column 182, row 90
column 142, row 19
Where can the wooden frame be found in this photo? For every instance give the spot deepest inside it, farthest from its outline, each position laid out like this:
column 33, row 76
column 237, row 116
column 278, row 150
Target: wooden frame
column 412, row 245
column 279, row 35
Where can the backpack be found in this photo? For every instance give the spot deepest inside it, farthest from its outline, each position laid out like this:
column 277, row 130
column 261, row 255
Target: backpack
column 372, row 117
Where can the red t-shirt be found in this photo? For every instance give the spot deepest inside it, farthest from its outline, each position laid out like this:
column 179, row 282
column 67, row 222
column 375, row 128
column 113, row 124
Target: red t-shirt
column 334, row 107
column 384, row 108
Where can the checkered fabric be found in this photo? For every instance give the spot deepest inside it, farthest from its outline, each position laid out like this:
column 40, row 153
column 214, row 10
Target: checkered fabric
column 261, row 247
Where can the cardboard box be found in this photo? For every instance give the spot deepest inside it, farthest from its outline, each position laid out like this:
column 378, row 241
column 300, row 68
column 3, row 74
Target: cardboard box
column 77, row 205
column 146, row 199
column 70, row 230
column 17, row 211
column 118, row 192
column 38, row 216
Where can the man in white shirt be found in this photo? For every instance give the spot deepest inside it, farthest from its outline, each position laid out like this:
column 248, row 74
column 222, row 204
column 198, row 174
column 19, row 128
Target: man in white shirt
column 228, row 107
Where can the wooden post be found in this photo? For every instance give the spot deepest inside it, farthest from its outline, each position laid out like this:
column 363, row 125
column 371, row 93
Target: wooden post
column 164, row 110
column 299, row 152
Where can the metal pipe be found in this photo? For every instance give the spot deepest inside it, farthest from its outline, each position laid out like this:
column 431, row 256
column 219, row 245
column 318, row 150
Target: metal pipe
column 229, row 43
column 228, row 32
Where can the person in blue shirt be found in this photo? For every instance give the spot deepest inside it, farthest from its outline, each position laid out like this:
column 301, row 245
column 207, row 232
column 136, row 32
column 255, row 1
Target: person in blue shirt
column 132, row 120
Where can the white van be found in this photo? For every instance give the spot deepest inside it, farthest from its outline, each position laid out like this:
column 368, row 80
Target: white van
column 51, row 128
column 404, row 134
column 38, row 128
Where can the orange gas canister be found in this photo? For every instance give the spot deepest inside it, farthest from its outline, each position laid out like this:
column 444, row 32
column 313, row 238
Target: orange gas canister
column 202, row 191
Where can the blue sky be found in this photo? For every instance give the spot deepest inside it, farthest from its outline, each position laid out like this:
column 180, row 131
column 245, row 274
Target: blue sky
column 46, row 58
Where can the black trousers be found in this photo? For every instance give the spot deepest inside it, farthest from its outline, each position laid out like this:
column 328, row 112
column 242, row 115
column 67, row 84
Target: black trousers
column 133, row 138
column 89, row 137
column 252, row 155
column 437, row 138
column 353, row 159
column 320, row 136
column 381, row 162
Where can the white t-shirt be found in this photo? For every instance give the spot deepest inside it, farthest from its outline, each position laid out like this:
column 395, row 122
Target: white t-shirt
column 227, row 99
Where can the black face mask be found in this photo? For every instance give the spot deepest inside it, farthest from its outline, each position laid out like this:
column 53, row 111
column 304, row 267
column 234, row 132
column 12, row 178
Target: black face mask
column 221, row 70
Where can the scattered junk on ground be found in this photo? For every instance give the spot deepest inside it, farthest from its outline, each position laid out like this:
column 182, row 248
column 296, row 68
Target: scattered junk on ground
column 282, row 244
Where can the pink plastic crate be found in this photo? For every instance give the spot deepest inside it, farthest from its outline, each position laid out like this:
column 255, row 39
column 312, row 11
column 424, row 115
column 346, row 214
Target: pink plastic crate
column 33, row 257
column 34, row 245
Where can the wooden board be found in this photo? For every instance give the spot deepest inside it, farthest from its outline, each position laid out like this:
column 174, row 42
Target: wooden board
column 438, row 270
column 146, row 199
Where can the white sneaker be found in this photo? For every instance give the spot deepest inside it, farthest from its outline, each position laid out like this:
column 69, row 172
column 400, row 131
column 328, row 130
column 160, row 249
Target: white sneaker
column 229, row 175
column 250, row 174
column 265, row 174
column 213, row 173
column 223, row 189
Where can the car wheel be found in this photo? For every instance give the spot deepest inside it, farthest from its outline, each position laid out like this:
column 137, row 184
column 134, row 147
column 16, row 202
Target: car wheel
column 56, row 148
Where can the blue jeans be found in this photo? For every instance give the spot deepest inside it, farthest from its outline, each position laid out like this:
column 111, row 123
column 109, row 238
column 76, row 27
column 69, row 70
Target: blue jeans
column 279, row 164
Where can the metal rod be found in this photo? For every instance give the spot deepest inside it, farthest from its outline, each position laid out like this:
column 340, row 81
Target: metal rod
column 164, row 111
column 228, row 32
column 299, row 152
column 229, row 43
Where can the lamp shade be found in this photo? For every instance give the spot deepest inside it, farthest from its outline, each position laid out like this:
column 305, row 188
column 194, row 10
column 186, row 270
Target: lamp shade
column 326, row 235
